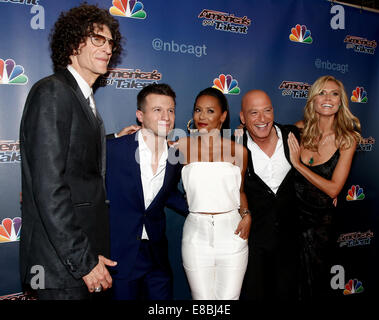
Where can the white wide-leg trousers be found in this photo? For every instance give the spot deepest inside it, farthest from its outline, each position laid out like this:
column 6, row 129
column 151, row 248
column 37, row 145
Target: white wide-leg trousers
column 214, row 258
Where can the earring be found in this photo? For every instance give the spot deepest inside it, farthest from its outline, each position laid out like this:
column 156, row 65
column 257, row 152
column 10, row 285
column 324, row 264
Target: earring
column 189, row 123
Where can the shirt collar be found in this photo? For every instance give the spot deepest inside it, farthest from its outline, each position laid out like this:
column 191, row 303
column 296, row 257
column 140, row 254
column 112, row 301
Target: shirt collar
column 83, row 85
column 250, row 139
column 144, row 148
column 252, row 143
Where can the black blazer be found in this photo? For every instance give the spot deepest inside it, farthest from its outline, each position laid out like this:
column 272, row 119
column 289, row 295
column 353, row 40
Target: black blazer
column 64, row 214
column 274, row 215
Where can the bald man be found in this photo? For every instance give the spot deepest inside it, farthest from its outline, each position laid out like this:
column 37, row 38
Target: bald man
column 272, row 268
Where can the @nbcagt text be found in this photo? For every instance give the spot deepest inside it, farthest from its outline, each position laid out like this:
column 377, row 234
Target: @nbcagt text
column 197, row 310
column 171, row 46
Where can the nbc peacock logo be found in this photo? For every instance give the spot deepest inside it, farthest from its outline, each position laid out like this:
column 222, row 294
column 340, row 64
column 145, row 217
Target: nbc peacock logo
column 359, row 95
column 226, row 84
column 352, row 287
column 301, row 34
column 338, row 281
column 10, row 229
column 355, row 193
column 10, row 73
column 128, row 9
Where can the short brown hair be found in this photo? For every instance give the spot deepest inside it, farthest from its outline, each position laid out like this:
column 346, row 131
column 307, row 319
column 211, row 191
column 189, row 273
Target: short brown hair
column 154, row 88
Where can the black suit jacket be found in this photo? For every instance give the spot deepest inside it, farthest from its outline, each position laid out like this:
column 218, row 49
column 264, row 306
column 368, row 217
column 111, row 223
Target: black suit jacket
column 274, row 215
column 64, row 213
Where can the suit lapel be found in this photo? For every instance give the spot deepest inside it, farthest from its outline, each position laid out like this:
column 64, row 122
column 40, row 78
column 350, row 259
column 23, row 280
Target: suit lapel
column 70, row 80
column 285, row 132
column 285, row 143
column 132, row 156
column 250, row 168
column 170, row 170
column 102, row 145
column 87, row 109
column 95, row 122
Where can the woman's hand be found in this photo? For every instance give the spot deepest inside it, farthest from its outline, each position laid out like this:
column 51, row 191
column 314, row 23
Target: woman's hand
column 243, row 228
column 294, row 148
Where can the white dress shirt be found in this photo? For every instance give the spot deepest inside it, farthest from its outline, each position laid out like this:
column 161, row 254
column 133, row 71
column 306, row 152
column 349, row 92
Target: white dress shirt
column 271, row 170
column 151, row 183
column 84, row 87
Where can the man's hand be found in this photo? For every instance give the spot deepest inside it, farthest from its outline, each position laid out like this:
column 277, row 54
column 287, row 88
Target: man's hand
column 238, row 132
column 99, row 276
column 128, row 130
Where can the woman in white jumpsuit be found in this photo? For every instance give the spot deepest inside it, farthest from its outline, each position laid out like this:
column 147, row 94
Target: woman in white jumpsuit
column 214, row 243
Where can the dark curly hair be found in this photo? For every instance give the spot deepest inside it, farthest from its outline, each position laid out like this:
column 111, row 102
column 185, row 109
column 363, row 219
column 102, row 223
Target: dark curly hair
column 74, row 26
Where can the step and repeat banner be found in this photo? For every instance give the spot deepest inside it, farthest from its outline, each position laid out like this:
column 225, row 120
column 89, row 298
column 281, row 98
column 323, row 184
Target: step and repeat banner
column 279, row 46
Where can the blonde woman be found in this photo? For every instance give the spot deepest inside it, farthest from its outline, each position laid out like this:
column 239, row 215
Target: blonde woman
column 330, row 133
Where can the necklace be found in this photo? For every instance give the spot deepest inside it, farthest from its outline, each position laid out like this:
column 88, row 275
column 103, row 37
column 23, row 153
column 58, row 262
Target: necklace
column 311, row 160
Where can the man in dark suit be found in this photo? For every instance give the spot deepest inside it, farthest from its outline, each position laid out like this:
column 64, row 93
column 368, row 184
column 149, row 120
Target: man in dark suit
column 65, row 230
column 142, row 177
column 272, row 267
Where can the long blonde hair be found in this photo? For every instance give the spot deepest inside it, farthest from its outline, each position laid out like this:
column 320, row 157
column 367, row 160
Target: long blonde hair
column 347, row 127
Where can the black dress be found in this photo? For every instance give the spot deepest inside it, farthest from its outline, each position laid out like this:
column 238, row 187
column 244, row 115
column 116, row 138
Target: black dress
column 316, row 231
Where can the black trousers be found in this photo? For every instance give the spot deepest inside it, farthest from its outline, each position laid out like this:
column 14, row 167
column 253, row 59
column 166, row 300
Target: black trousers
column 80, row 293
column 271, row 275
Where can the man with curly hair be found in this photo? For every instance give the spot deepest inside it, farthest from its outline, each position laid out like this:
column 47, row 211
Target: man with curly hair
column 65, row 228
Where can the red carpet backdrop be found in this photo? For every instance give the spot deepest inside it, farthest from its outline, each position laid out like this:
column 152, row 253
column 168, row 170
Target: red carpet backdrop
column 280, row 46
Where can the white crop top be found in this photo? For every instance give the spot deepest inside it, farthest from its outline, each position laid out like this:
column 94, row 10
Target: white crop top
column 212, row 186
